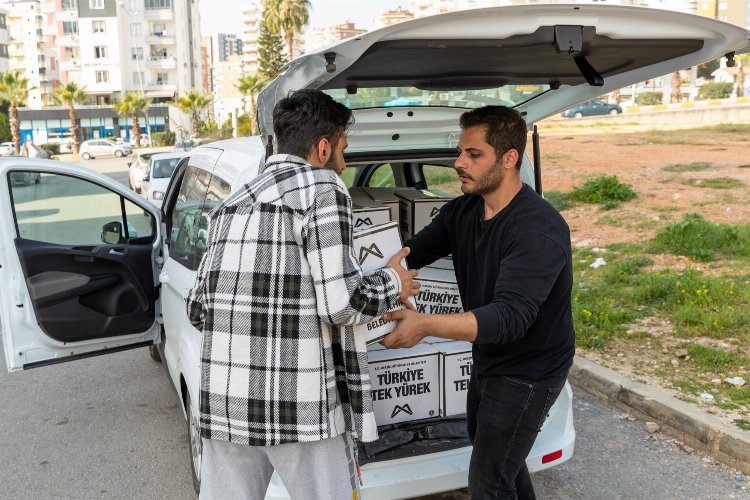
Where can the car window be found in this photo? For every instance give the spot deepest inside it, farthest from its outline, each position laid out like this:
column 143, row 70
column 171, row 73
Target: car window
column 382, row 176
column 162, row 169
column 441, row 177
column 187, row 241
column 66, row 210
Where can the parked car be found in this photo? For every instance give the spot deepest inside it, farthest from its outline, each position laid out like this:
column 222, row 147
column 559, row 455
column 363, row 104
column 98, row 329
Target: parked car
column 540, row 58
column 592, row 108
column 139, row 165
column 7, row 149
column 96, row 148
column 156, row 177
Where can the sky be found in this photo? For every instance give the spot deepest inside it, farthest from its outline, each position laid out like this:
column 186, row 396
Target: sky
column 225, row 16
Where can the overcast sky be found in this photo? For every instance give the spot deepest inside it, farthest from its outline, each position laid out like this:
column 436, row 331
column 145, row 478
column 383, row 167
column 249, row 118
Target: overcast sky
column 225, row 16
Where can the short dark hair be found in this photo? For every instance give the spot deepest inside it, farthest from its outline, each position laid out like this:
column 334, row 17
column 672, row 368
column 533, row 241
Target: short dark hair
column 506, row 128
column 306, row 116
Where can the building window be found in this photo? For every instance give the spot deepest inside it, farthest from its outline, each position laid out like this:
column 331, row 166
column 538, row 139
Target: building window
column 159, row 54
column 135, row 29
column 3, row 50
column 138, row 78
column 100, row 52
column 3, row 21
column 70, row 4
column 70, row 27
column 69, row 53
column 96, row 4
column 159, row 29
column 136, row 53
column 98, row 26
column 162, row 78
column 102, row 76
column 158, row 4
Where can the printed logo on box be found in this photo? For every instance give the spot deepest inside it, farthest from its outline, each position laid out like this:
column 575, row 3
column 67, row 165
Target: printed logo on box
column 364, row 252
column 434, row 212
column 405, row 389
column 363, row 222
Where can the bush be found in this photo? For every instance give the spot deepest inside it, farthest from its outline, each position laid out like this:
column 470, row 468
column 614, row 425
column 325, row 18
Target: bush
column 51, row 147
column 166, row 138
column 648, row 99
column 700, row 239
column 604, row 189
column 716, row 90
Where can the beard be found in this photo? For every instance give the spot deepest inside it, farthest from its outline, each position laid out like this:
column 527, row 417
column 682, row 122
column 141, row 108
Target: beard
column 488, row 182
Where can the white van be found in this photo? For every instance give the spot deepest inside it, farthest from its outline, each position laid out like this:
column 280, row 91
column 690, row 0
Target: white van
column 89, row 267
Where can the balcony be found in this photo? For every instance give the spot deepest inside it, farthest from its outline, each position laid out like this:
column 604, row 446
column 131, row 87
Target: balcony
column 158, row 14
column 68, row 41
column 70, row 65
column 169, row 62
column 160, row 39
column 162, row 86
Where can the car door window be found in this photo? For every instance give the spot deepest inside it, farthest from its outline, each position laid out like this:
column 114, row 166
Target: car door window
column 66, row 210
column 382, row 176
column 187, row 241
column 441, row 177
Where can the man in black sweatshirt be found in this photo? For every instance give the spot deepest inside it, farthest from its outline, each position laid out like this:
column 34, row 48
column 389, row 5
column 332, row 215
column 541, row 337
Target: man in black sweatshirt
column 512, row 257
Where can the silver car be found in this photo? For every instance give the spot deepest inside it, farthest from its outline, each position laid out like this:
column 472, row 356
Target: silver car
column 103, row 147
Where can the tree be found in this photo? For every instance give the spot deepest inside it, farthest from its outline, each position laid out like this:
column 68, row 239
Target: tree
column 249, row 86
column 270, row 52
column 131, row 104
column 15, row 89
column 676, row 94
column 287, row 15
column 741, row 61
column 71, row 95
column 193, row 103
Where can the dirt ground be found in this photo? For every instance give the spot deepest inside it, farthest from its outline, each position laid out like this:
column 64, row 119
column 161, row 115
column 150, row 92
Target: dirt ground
column 571, row 154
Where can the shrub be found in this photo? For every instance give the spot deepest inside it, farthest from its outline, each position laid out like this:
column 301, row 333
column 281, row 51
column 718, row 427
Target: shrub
column 700, row 239
column 604, row 189
column 561, row 201
column 51, row 147
column 166, row 138
column 648, row 98
column 716, row 90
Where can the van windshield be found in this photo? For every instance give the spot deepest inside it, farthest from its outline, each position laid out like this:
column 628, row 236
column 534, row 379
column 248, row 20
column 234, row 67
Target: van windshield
column 508, row 95
column 163, row 168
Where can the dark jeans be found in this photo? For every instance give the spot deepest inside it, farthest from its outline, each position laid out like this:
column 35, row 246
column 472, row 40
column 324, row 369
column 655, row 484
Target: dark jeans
column 505, row 415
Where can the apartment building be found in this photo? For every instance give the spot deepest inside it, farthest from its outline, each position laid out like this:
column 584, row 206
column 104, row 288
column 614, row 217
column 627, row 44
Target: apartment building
column 226, row 45
column 227, row 97
column 252, row 17
column 31, row 47
column 393, row 16
column 207, row 62
column 321, row 37
column 4, row 41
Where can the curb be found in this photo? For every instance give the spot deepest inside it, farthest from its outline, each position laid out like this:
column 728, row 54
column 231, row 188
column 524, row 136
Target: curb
column 678, row 419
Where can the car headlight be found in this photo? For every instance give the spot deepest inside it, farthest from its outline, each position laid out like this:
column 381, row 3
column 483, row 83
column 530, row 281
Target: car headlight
column 158, row 195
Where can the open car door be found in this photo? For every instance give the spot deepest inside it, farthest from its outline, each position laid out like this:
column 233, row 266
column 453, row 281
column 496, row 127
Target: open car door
column 78, row 257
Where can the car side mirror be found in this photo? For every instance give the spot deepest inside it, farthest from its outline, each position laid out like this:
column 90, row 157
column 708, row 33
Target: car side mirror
column 112, row 233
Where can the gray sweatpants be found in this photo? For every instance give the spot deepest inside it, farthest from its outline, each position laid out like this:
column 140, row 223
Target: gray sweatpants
column 318, row 470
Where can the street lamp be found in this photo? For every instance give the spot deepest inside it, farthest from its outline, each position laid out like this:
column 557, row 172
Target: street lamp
column 138, row 66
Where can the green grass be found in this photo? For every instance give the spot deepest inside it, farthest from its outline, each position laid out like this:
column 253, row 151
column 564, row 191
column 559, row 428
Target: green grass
column 702, row 240
column 742, row 424
column 687, row 387
column 606, row 190
column 687, row 167
column 715, row 183
column 561, row 201
column 708, row 359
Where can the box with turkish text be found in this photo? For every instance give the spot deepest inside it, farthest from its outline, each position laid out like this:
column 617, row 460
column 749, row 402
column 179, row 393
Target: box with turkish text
column 439, row 292
column 417, row 208
column 456, row 364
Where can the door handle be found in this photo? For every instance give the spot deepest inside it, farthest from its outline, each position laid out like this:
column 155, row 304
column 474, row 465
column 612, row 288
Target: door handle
column 119, row 252
column 163, row 277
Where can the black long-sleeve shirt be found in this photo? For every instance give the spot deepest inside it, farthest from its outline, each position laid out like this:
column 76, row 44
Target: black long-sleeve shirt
column 515, row 274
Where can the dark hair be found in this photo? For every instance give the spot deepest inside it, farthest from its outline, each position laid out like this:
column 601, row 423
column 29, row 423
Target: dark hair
column 506, row 128
column 306, row 116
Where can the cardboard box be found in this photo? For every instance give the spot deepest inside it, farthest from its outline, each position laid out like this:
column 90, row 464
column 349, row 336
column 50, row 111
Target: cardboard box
column 367, row 213
column 456, row 364
column 439, row 292
column 405, row 383
column 385, row 196
column 417, row 208
column 374, row 247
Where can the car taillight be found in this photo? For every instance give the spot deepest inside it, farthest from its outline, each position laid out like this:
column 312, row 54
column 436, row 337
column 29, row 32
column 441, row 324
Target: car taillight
column 551, row 457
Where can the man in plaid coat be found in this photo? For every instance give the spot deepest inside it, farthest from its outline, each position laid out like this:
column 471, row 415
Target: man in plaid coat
column 284, row 382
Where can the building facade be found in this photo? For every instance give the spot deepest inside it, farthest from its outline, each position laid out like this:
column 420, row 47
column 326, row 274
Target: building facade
column 4, row 41
column 321, row 37
column 227, row 97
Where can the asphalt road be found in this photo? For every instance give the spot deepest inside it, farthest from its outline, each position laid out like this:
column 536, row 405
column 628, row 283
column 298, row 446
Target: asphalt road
column 110, row 427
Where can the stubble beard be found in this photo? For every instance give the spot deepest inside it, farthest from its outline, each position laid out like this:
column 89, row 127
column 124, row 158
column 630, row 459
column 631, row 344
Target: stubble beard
column 488, row 182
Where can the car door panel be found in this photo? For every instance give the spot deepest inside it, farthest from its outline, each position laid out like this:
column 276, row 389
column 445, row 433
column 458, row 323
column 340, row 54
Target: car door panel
column 78, row 255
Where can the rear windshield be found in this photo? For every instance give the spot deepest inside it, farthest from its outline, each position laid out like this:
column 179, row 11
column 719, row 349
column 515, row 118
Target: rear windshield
column 509, row 95
column 163, row 168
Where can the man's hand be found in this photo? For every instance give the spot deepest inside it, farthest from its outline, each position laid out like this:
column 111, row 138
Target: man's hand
column 409, row 287
column 408, row 332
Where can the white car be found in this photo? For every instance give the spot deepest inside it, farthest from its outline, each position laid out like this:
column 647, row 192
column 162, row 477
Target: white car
column 7, row 149
column 109, row 271
column 96, row 148
column 139, row 165
column 156, row 178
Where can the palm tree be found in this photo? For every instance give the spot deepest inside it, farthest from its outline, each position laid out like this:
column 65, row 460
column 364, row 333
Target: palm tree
column 133, row 103
column 249, row 86
column 287, row 15
column 193, row 103
column 71, row 95
column 15, row 89
column 676, row 95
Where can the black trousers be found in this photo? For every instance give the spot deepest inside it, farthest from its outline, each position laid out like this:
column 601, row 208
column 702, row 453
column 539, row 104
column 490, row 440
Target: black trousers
column 505, row 415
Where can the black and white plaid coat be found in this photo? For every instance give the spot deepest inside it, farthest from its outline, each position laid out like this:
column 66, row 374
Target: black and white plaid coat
column 277, row 277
